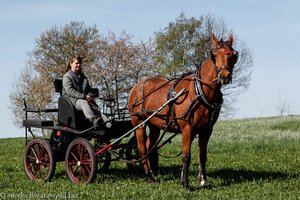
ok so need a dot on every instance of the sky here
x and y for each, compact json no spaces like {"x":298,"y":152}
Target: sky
{"x":270,"y":29}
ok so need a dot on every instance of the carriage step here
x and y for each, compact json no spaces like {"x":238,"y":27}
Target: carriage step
{"x":37,"y":123}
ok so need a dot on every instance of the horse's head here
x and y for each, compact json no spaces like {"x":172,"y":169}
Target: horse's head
{"x":224,"y":57}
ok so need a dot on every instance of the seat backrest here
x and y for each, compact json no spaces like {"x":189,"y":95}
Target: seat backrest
{"x":58,"y":85}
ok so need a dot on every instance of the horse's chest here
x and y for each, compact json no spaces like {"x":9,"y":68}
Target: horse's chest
{"x":205,"y":117}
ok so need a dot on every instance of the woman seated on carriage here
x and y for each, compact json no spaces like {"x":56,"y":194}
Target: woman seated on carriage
{"x":77,"y":89}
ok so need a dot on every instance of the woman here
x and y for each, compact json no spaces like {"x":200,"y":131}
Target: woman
{"x":77,"y":89}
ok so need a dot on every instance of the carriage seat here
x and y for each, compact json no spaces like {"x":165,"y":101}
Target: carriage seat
{"x":37,"y":123}
{"x":67,"y":114}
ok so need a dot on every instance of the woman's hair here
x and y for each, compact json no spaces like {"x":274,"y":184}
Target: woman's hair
{"x":78,"y":58}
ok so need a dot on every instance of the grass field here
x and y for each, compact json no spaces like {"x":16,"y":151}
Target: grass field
{"x":247,"y":159}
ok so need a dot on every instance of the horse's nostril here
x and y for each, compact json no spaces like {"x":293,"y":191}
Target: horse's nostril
{"x":228,"y":74}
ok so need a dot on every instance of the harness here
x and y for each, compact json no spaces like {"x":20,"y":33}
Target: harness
{"x":200,"y":96}
{"x":142,"y":99}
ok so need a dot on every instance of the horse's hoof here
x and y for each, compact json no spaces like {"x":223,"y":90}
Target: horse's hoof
{"x":188,"y":188}
{"x":151,"y":180}
{"x":204,"y":185}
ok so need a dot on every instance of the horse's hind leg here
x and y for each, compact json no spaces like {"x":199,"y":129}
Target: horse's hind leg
{"x":152,"y":146}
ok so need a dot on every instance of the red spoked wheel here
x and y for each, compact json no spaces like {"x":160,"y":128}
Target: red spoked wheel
{"x":39,"y":161}
{"x":81,"y":162}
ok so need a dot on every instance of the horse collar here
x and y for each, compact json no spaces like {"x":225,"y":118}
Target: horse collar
{"x":200,"y":96}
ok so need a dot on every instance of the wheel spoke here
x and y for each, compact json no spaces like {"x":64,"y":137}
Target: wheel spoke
{"x":41,"y":151}
{"x":45,"y":169}
{"x":35,"y":171}
{"x":74,"y":156}
{"x":32,"y":150}
{"x":31,"y":158}
{"x":79,"y":151}
{"x":45,"y":164}
{"x":88,"y":168}
{"x":76,"y":169}
{"x":72,"y":163}
{"x":86,"y":162}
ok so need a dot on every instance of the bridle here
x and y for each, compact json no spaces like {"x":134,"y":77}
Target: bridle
{"x":227,"y":50}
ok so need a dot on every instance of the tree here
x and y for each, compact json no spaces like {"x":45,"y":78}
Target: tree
{"x":177,"y":46}
{"x":186,"y":43}
{"x":283,"y":106}
{"x":122,"y":63}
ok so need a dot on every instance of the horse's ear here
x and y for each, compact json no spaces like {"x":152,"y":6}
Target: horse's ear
{"x":215,"y":40}
{"x":230,"y":39}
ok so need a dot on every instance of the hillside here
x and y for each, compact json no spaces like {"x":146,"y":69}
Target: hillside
{"x":247,"y":159}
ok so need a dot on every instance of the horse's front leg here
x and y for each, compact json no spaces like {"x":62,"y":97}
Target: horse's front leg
{"x":152,"y":146}
{"x":186,"y":157}
{"x":202,"y":155}
{"x":141,"y":144}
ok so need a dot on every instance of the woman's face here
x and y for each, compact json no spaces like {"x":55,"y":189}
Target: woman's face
{"x":75,"y":65}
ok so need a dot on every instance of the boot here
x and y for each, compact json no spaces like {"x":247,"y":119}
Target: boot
{"x":97,"y":121}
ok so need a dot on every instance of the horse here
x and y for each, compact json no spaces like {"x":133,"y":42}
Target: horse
{"x":192,"y":114}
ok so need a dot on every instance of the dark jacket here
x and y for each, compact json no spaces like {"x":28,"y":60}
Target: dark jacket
{"x":75,"y":88}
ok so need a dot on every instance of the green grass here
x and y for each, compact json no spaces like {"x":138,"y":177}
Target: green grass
{"x":247,"y":159}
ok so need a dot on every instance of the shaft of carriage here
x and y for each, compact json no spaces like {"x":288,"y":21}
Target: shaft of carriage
{"x":141,"y":124}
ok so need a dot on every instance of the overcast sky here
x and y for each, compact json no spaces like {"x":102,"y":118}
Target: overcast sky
{"x":270,"y":28}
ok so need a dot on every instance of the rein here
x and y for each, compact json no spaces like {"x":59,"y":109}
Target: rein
{"x":194,"y":76}
{"x":155,"y":146}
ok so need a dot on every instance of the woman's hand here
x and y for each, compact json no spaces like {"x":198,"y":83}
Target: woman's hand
{"x":89,"y":98}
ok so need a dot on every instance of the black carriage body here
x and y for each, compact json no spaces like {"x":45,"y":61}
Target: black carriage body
{"x":72,"y":124}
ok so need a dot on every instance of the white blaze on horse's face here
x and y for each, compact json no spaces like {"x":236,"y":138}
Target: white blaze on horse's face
{"x":223,"y":55}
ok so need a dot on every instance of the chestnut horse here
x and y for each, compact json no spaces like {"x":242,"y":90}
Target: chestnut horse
{"x":193,"y":113}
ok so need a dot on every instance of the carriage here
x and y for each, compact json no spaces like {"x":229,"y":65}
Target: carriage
{"x":85,"y":149}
